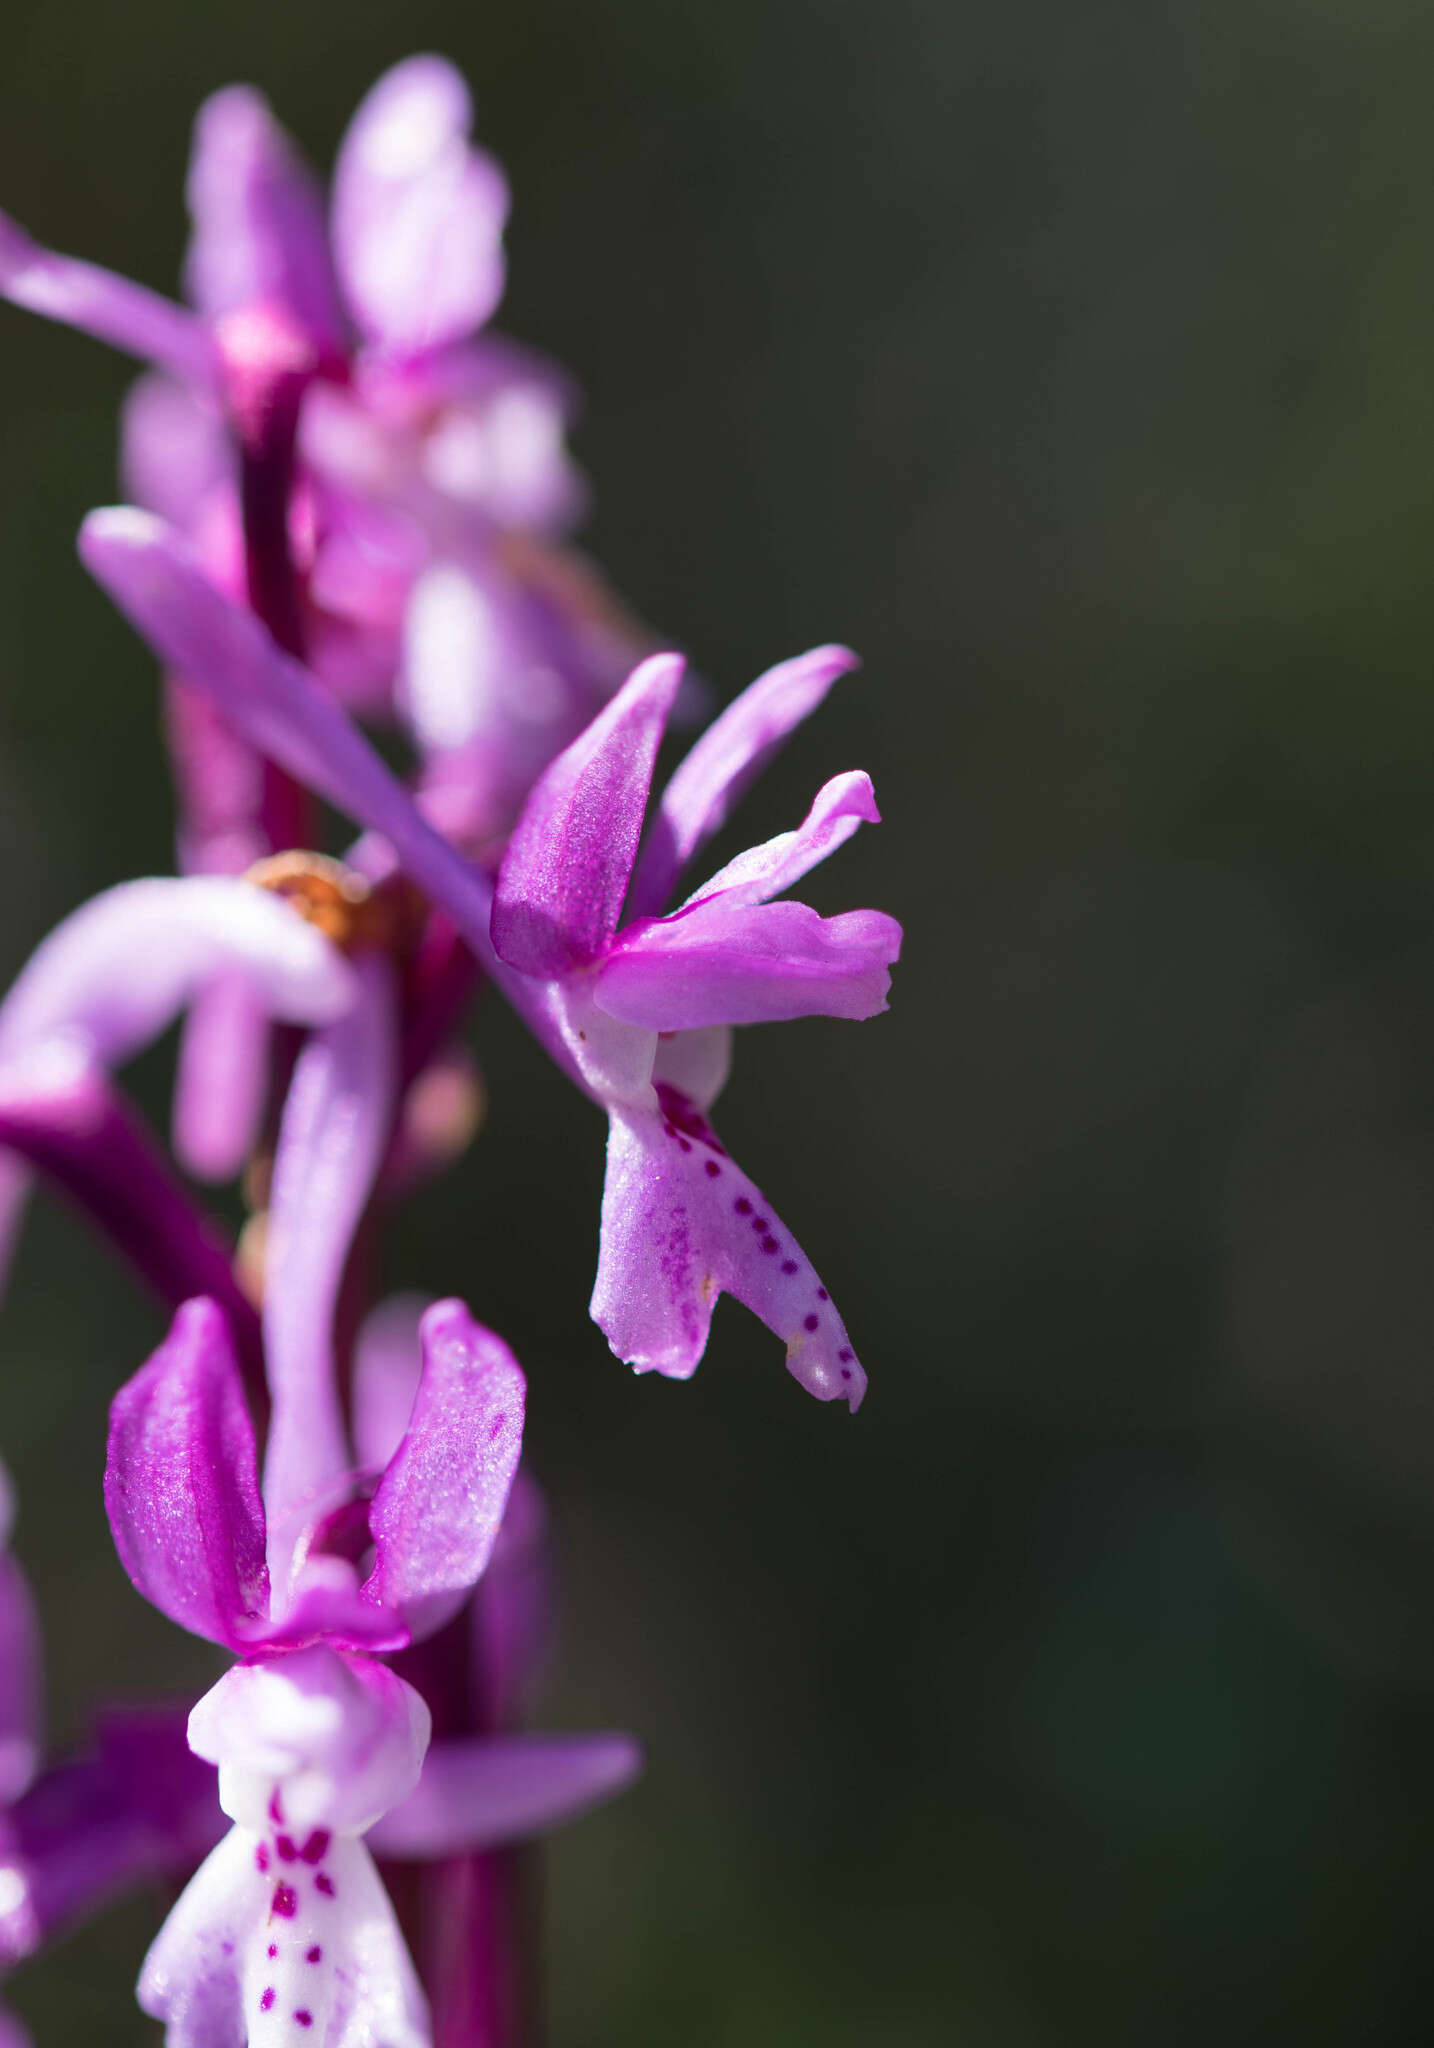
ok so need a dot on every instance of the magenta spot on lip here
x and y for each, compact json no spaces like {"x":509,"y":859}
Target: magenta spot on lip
{"x":845,"y":1357}
{"x":846,"y":1372}
{"x":742,"y":1206}
{"x":810,"y":1322}
{"x":261,"y":1856}
{"x":760,"y":1225}
{"x":789,"y":1265}
{"x":304,"y":2017}
{"x":285,"y":1846}
{"x":822,"y":1294}
{"x":286,"y":1901}
{"x":770,"y":1245}
{"x":276,"y":1810}
{"x":325,"y":1884}
{"x":495,"y":1428}
{"x":267,"y":2000}
{"x":273,"y":1950}
{"x":685,"y":1143}
{"x":314,"y":1955}
{"x":711,"y":1169}
{"x":316,"y":1846}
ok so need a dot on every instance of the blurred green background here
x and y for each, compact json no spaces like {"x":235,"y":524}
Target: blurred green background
{"x":1073,"y":362}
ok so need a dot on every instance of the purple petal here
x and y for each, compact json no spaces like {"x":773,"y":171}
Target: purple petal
{"x":154,"y":576}
{"x":219,"y":783}
{"x":334,"y":1132}
{"x":139,"y":1810}
{"x":325,"y":1609}
{"x":180,"y":1484}
{"x":437,"y":1510}
{"x":756,"y":965}
{"x":118,"y":970}
{"x":565,"y":873}
{"x":733,"y":751}
{"x":388,"y":1360}
{"x":682,"y":1224}
{"x":476,"y":1795}
{"x":511,"y":1612}
{"x":175,"y":454}
{"x":111,"y":308}
{"x":838,"y":808}
{"x":260,"y":235}
{"x":221,"y":1081}
{"x":418,"y":213}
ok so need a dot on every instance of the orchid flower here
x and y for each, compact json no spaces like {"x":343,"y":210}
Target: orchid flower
{"x":76,"y":1835}
{"x":637,"y":1014}
{"x":106,"y":983}
{"x":306,"y":1580}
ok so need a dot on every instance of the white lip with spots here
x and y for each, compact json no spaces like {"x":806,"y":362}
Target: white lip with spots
{"x":285,"y":1933}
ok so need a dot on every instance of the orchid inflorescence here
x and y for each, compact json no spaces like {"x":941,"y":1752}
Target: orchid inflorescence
{"x":352,"y":503}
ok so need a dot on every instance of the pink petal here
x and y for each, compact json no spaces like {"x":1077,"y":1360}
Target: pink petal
{"x":221,"y":1081}
{"x":136,"y":1811}
{"x":388,"y":1360}
{"x":565,"y":873}
{"x":332,"y":1138}
{"x":838,"y":808}
{"x":729,"y":756}
{"x":418,"y":213}
{"x":111,"y":308}
{"x":510,"y":1615}
{"x":259,"y":231}
{"x":152,"y":573}
{"x":682,"y":1224}
{"x":438,"y":1507}
{"x":279,"y":709}
{"x":476,"y":1795}
{"x":756,"y":965}
{"x":118,"y":970}
{"x":180,"y":1484}
{"x":174,"y":452}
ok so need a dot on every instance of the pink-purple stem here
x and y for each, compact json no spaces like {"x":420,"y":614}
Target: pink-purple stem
{"x":92,"y":1145}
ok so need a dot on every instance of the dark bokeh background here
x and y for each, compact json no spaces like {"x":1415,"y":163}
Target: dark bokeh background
{"x":1073,"y":362}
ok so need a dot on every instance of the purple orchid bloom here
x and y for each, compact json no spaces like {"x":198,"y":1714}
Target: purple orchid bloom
{"x":318,"y":1744}
{"x":398,"y":469}
{"x":287,"y":1926}
{"x":80,"y":1834}
{"x":636,"y":1014}
{"x":644,"y":1008}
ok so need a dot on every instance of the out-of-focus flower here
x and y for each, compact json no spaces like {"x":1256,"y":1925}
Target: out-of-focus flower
{"x":424,"y":473}
{"x":105,"y":984}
